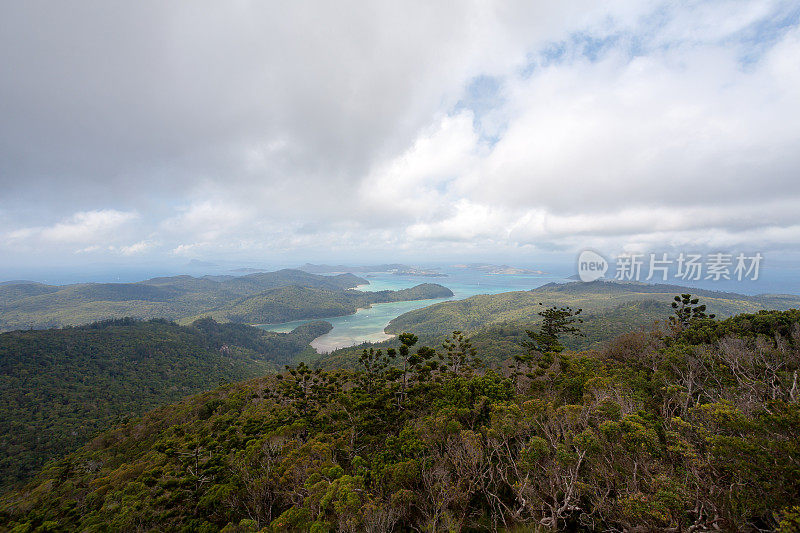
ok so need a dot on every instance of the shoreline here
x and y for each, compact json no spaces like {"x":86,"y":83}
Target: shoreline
{"x":389,"y":336}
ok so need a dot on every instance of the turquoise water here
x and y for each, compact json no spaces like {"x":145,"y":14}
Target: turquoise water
{"x":368,"y":324}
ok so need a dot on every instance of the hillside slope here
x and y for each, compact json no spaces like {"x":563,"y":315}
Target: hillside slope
{"x":618,"y":440}
{"x":59,"y":387}
{"x":284,"y":304}
{"x":25,"y":305}
{"x":497,"y":322}
{"x":619,"y":306}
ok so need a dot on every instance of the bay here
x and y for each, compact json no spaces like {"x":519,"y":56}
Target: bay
{"x":367,"y":325}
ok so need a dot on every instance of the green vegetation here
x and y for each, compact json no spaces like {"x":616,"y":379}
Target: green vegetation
{"x":690,"y":427}
{"x":33,"y":305}
{"x":687,"y":310}
{"x":543,"y":345}
{"x":263,"y":297}
{"x":609,"y":309}
{"x":59,"y":387}
{"x":474,"y":313}
{"x":284,"y":304}
{"x":496,"y":324}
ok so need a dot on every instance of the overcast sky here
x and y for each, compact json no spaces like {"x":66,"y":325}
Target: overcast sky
{"x":177,"y":130}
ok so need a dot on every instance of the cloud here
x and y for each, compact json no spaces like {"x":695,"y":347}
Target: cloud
{"x":681,"y":141}
{"x":82,"y":228}
{"x":181,"y":92}
{"x":86,"y":226}
{"x":136,"y":248}
{"x":417,"y":182}
{"x":253,"y":130}
{"x":208,"y":220}
{"x":666,"y":129}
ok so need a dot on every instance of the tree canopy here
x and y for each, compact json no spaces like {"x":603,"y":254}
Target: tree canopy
{"x":689,"y":429}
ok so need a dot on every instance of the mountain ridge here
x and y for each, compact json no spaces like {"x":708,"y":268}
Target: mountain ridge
{"x":36,"y":305}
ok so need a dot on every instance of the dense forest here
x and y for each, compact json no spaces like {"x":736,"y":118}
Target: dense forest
{"x":59,"y":387}
{"x":496,"y":323}
{"x":522,"y":307}
{"x":284,"y":304}
{"x":610,"y":309}
{"x":25,"y":305}
{"x":693,"y":425}
{"x":503,"y":340}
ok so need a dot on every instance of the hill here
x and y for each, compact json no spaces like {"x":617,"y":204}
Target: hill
{"x":59,"y":387}
{"x":695,"y":429}
{"x":28,"y":305}
{"x":284,"y":304}
{"x":609,"y":309}
{"x":496,"y":323}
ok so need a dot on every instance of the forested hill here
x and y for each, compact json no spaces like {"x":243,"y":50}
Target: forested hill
{"x":25,"y":305}
{"x":610,"y":308}
{"x":696,"y":428}
{"x":283,"y":304}
{"x":496,"y":323}
{"x":58,"y":387}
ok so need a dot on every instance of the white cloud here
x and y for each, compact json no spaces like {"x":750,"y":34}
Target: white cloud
{"x":208,"y":220}
{"x":86,"y":226}
{"x":683,"y":143}
{"x":136,"y":248}
{"x":617,"y":124}
{"x":91,"y":228}
{"x":417,"y":181}
{"x":187,"y":249}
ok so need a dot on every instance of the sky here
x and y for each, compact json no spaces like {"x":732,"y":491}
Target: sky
{"x":164,"y":132}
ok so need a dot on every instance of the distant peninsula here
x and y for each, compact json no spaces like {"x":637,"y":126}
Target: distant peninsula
{"x":390,"y":268}
{"x":265,"y":297}
{"x":500,"y":269}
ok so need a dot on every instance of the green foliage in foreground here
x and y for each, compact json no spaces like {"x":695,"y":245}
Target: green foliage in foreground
{"x":694,"y":428}
{"x":60,"y":387}
{"x":498,"y":341}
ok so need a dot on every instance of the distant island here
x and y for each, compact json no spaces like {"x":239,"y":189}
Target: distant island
{"x":411,"y":271}
{"x":500,"y":269}
{"x":391,"y":268}
{"x":196,"y":263}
